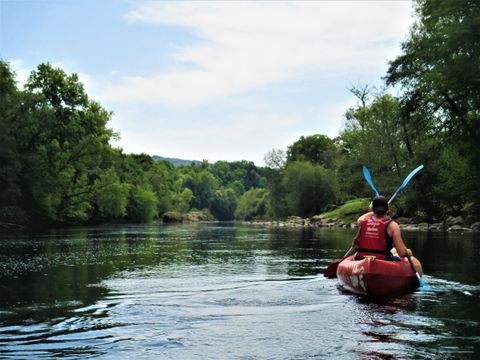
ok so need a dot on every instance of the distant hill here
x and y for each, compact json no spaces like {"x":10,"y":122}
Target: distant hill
{"x":174,"y":161}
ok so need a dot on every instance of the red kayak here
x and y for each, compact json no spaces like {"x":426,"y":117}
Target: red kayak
{"x":375,"y":277}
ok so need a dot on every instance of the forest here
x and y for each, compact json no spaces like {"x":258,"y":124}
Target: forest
{"x":57,"y":165}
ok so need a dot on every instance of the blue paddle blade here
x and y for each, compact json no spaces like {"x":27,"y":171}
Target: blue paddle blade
{"x":405,"y":182}
{"x":366,"y":175}
{"x":423,"y":284}
{"x":410,"y":176}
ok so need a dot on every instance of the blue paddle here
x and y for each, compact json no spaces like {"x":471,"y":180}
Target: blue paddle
{"x":366,"y":175}
{"x":405,"y":182}
{"x":420,"y":281}
{"x":400,"y":188}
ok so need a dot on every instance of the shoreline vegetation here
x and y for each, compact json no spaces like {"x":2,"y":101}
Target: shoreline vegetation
{"x":344,"y":216}
{"x":58,"y":166}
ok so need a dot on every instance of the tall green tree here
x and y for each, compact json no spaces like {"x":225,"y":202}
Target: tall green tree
{"x":318,"y":149}
{"x":224,"y":204}
{"x":203,"y":186}
{"x":62,"y":138}
{"x":253,"y":205}
{"x":111,"y":196}
{"x":308,"y":188}
{"x":372,"y":137}
{"x":143,"y":204}
{"x":250,"y":175}
{"x":438,"y":72}
{"x":162,"y":175}
{"x":10,"y":163}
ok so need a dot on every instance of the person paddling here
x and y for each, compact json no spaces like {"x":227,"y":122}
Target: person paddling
{"x":379,"y":234}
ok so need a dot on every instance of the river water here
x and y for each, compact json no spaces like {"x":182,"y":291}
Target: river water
{"x":225,"y":291}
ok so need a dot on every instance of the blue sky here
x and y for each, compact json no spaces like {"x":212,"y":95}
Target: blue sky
{"x":211,"y":80}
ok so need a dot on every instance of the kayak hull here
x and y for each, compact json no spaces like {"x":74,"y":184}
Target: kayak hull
{"x":374,"y":277}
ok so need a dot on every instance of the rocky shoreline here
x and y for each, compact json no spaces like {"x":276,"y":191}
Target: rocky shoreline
{"x":451,"y":224}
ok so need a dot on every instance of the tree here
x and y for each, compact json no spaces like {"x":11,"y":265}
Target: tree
{"x":10,"y":166}
{"x":112,"y":196}
{"x":61,"y":139}
{"x":277,"y":193}
{"x":309,"y":188}
{"x":246,"y":172}
{"x":372,"y":137}
{"x":224,"y":204}
{"x":142,"y":204}
{"x":275,"y":159}
{"x":318,"y":149}
{"x":252,"y":205}
{"x":237,"y":187}
{"x":57,"y":164}
{"x":181,"y":201}
{"x":438,"y":71}
{"x":161,"y":175}
{"x":222,"y":171}
{"x":203,"y":186}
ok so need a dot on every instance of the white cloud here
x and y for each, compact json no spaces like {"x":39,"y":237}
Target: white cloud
{"x":244,"y":136}
{"x":22,"y":73}
{"x":250,"y":44}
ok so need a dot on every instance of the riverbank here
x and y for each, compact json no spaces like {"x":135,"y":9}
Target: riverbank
{"x":451,"y":224}
{"x":191,"y":216}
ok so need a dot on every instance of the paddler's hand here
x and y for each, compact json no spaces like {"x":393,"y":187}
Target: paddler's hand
{"x":408,"y":252}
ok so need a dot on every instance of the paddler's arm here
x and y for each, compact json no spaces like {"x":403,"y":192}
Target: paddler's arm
{"x":394,"y":231}
{"x":365,"y":216}
{"x":354,"y":247}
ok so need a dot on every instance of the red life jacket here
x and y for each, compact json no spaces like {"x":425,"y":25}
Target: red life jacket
{"x":374,"y":240}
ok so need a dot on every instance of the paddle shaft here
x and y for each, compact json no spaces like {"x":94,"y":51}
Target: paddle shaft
{"x":422,"y":284}
{"x":331,"y":270}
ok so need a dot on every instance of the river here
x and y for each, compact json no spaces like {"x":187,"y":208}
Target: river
{"x":226,"y":291}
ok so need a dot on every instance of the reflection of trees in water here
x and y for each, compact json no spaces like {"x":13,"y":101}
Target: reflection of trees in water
{"x":446,"y":255}
{"x":54,"y":277}
{"x":308,"y":251}
{"x":59,"y":281}
{"x":68,"y":265}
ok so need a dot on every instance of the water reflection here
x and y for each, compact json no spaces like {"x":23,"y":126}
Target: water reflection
{"x":224,"y":291}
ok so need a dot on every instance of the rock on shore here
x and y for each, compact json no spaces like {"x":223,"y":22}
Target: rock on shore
{"x":456,"y":224}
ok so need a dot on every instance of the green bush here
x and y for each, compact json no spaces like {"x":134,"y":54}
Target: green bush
{"x":309,"y":188}
{"x":253,"y":204}
{"x":112,"y":196}
{"x":143,"y":204}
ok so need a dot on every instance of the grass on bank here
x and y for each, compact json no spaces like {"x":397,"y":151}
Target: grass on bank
{"x":350,"y":211}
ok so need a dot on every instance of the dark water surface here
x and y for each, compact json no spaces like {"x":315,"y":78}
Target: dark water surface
{"x":226,"y":292}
